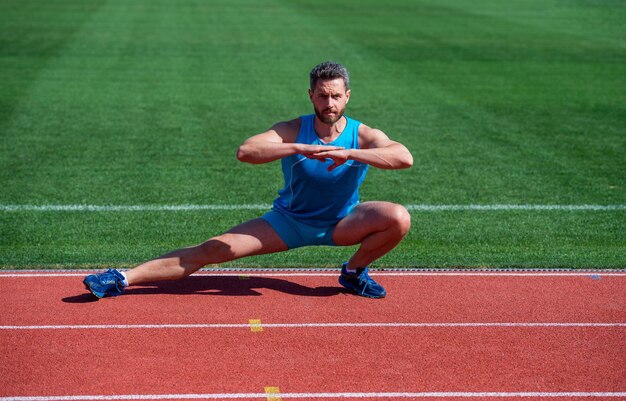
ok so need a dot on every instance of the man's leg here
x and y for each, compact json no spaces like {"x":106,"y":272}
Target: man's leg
{"x":254,"y":237}
{"x":377,"y":226}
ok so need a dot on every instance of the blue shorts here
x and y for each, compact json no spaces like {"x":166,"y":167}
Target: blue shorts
{"x":296,"y":234}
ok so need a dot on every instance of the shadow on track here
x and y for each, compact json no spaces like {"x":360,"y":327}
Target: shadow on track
{"x":221,"y":285}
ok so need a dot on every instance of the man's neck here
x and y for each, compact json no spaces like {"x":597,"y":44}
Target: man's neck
{"x":329,"y":132}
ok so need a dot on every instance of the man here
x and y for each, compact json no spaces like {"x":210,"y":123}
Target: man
{"x":325,"y":157}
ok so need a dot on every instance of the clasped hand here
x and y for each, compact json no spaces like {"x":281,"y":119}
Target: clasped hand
{"x":337,"y":154}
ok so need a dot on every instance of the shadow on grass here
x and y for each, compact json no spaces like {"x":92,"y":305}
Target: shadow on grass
{"x":223,"y":286}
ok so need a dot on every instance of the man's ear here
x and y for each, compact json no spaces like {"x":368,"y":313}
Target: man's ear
{"x":347,"y":95}
{"x":310,"y":94}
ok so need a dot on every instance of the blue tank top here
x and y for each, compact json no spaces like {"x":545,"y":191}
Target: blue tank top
{"x":312,"y":194}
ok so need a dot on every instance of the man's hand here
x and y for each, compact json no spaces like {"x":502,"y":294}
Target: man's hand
{"x":338,"y":155}
{"x":311,"y":151}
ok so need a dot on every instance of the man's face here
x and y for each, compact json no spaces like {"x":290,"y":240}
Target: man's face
{"x":329,"y":99}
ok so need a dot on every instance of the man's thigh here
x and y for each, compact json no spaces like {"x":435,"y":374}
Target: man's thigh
{"x":254,"y":237}
{"x":366,"y":218}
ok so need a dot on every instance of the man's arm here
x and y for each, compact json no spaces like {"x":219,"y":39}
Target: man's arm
{"x":376,"y":149}
{"x":276,"y":143}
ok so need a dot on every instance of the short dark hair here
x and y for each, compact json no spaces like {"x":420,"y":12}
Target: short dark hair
{"x":329,"y":70}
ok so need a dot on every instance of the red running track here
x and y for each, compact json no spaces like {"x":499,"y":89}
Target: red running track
{"x":224,"y":335}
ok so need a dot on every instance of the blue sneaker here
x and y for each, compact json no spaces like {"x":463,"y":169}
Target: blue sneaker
{"x":361,"y":283}
{"x":107,"y":283}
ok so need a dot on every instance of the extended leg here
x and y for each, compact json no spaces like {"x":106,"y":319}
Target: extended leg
{"x":254,"y":237}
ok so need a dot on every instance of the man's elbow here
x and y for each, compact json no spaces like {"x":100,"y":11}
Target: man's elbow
{"x":244,"y":154}
{"x":406,"y":161}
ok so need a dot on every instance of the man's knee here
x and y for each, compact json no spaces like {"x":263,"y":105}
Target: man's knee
{"x":212,"y":251}
{"x":193,"y":258}
{"x":400,"y":218}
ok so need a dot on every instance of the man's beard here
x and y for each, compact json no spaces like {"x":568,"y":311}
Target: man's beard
{"x":328,"y":119}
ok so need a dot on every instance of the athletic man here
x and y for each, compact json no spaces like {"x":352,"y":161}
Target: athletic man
{"x":325,"y":157}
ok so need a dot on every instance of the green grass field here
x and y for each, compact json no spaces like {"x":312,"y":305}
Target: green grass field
{"x":144,"y":102}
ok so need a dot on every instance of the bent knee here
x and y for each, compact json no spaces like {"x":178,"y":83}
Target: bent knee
{"x":401,"y":218}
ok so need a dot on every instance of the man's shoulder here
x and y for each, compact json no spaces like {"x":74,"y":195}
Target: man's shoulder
{"x":288,"y":129}
{"x":290,"y":125}
{"x":367,"y":130}
{"x":370,"y":137}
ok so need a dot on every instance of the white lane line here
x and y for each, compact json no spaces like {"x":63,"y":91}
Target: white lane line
{"x":129,"y":208}
{"x":127,"y":326}
{"x":313,"y":325}
{"x":376,"y":395}
{"x":212,"y":207}
{"x":436,"y":208}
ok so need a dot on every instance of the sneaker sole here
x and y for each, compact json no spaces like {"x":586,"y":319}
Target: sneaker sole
{"x":354,"y":290}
